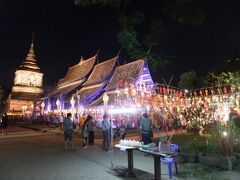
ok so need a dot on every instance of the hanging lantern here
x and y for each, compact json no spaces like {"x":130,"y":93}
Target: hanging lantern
{"x":164,"y":90}
{"x":126,"y":91}
{"x":180,"y":94}
{"x":232,"y":89}
{"x":168,"y":90}
{"x":206,"y":92}
{"x":161,"y":90}
{"x":212,"y":92}
{"x":195,"y":93}
{"x":177,"y":93}
{"x":185,"y":94}
{"x":138,"y":87}
{"x":142,"y":87}
{"x":120,"y":82}
{"x":225,"y":90}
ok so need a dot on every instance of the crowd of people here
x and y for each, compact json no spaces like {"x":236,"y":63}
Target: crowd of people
{"x":87,"y":132}
{"x":88,"y":126}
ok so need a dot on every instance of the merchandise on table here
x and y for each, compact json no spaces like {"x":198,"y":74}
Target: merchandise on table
{"x":130,"y":143}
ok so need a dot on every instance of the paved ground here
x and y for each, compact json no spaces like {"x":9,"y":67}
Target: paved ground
{"x":18,"y":132}
{"x":42,"y":157}
{"x":31,"y":155}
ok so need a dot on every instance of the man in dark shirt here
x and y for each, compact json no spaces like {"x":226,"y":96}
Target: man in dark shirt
{"x":146,"y":129}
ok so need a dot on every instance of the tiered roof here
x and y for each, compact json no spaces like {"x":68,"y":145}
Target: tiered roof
{"x":75,"y":76}
{"x":127,"y":73}
{"x":97,"y":80}
{"x":65,"y":89}
{"x":101,"y":71}
{"x":78,"y":72}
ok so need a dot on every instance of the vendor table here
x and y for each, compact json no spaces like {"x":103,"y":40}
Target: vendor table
{"x":156,"y":155}
{"x":130,"y":171}
{"x":157,"y":161}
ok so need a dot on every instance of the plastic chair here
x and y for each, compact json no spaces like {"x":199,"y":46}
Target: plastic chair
{"x":173,"y":148}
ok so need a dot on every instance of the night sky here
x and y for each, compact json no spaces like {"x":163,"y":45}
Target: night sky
{"x":64,"y":33}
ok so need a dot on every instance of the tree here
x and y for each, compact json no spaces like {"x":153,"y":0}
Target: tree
{"x":142,"y":23}
{"x":228,"y":74}
{"x":223,"y":78}
{"x":189,"y":80}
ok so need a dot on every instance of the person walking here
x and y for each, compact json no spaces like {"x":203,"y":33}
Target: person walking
{"x":4,"y":124}
{"x":61,"y":119}
{"x":146,"y":129}
{"x":67,"y":126}
{"x":122,"y":132}
{"x":85,"y":132}
{"x":106,"y":133}
{"x":90,"y":125}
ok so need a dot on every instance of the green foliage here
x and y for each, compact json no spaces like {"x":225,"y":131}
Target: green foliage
{"x":189,"y":80}
{"x":196,"y":147}
{"x":142,"y":23}
{"x":87,"y":3}
{"x":222,"y":78}
{"x":184,"y":11}
{"x":199,"y":172}
{"x":227,"y":143}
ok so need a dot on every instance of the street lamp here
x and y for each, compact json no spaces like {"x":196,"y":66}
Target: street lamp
{"x":72,"y":103}
{"x":24,"y":109}
{"x":58,"y":105}
{"x":105,"y":101}
{"x":42,"y":106}
{"x":78,"y":103}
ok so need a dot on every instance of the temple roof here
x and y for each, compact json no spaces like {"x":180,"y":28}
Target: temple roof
{"x":79,"y":71}
{"x":65,"y":89}
{"x":30,"y":62}
{"x":85,"y":93}
{"x":126,"y":73}
{"x":101,"y":71}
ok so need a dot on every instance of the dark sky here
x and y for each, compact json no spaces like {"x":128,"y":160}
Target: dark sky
{"x":64,"y":33}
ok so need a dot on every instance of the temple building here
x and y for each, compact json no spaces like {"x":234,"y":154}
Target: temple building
{"x":85,"y":83}
{"x":72,"y":81}
{"x":27,"y":89}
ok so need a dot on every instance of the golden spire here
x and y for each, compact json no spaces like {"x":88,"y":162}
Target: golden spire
{"x":81,"y":60}
{"x":30,"y":61}
{"x":31,"y":54}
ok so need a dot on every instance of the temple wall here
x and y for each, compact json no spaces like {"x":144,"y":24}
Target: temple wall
{"x":22,"y":106}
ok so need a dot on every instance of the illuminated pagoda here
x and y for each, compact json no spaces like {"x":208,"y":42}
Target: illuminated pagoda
{"x":72,"y":81}
{"x":27,"y":89}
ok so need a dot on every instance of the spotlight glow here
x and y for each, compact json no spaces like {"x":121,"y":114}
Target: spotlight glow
{"x":225,"y":133}
{"x":123,"y":110}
